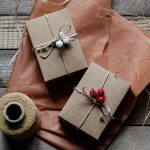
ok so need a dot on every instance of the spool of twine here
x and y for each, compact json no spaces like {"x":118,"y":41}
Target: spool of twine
{"x":19,"y":117}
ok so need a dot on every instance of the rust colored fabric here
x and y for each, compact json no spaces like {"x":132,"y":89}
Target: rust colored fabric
{"x":107,"y":39}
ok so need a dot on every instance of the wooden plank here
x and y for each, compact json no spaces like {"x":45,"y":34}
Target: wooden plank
{"x":140,"y":111}
{"x":5,"y":57}
{"x":33,"y":143}
{"x":132,"y":7}
{"x":123,"y":141}
{"x":2,"y":91}
{"x":127,"y":136}
{"x":9,"y":37}
{"x":129,"y":6}
{"x":8,"y":7}
{"x":142,"y":22}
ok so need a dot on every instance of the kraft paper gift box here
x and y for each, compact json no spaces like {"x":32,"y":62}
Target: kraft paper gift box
{"x":56,"y":62}
{"x":88,"y":115}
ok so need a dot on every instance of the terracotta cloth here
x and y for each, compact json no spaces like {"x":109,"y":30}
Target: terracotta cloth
{"x":107,"y":39}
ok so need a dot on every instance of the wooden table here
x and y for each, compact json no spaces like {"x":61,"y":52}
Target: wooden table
{"x":9,"y":43}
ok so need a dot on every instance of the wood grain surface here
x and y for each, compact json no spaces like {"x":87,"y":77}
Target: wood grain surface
{"x":133,"y":10}
{"x":129,"y":7}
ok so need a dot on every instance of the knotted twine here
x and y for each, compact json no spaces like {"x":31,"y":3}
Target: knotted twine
{"x":29,"y":120}
{"x":49,"y":46}
{"x":104,"y":110}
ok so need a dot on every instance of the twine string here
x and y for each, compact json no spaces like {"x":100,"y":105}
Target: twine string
{"x":86,"y":116}
{"x":65,"y":64}
{"x":103,"y":110}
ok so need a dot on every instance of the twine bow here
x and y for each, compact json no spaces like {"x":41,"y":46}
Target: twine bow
{"x":104,"y":110}
{"x":48,"y":47}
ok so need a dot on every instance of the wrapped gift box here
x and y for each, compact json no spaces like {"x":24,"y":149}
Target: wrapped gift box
{"x":56,"y":60}
{"x":85,"y":113}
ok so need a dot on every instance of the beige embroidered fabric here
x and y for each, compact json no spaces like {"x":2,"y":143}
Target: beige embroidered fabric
{"x":107,"y":39}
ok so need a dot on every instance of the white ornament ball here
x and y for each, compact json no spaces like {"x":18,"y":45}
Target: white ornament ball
{"x":66,"y":40}
{"x":61,"y":35}
{"x":59,"y":44}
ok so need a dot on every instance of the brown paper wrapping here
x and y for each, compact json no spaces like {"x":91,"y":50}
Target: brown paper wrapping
{"x":103,"y":39}
{"x":54,"y":66}
{"x":78,"y":104}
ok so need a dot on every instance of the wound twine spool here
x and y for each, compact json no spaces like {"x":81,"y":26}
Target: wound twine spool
{"x":19,"y":117}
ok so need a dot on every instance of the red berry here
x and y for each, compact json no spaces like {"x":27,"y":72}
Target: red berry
{"x":101,"y":99}
{"x":100,"y":92}
{"x":93,"y":93}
